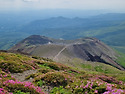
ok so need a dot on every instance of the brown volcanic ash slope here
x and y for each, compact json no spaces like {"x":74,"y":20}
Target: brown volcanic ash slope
{"x":89,"y":49}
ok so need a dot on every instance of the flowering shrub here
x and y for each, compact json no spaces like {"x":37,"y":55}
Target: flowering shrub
{"x":3,"y":91}
{"x":8,"y":83}
{"x":13,"y":86}
{"x":97,"y":86}
{"x":55,"y":77}
{"x":16,"y":63}
{"x":109,"y":79}
{"x":3,"y":77}
{"x":115,"y":91}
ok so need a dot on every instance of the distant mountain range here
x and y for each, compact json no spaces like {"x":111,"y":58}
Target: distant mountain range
{"x":107,"y":27}
{"x":86,"y":49}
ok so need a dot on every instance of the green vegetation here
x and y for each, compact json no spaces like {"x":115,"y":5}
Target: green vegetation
{"x":59,"y":90}
{"x":121,"y":59}
{"x":19,"y":92}
{"x":85,"y":77}
{"x":40,"y":83}
{"x":16,"y":63}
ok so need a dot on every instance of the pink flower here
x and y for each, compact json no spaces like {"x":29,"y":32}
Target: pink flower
{"x":86,"y":92}
{"x":107,"y":92}
{"x":25,"y":84}
{"x":109,"y":88}
{"x":5,"y":75}
{"x":1,"y":89}
{"x":33,"y":68}
{"x":76,"y":86}
{"x":96,"y":91}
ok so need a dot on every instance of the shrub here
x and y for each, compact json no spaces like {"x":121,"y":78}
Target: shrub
{"x":3,"y":91}
{"x":40,"y":83}
{"x":45,"y":70}
{"x":55,"y":78}
{"x":10,"y":62}
{"x":14,"y":86}
{"x":108,"y":79}
{"x":13,"y":67}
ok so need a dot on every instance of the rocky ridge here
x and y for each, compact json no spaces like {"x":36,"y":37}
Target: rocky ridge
{"x":88,"y":49}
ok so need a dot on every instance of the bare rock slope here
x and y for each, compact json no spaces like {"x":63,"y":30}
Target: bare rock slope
{"x":89,"y":49}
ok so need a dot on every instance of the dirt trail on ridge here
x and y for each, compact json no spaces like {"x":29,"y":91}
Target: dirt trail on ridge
{"x":21,"y":76}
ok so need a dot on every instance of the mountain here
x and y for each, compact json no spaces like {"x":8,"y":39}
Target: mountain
{"x":78,"y":26}
{"x":109,"y":28}
{"x":88,"y":49}
{"x":106,"y":27}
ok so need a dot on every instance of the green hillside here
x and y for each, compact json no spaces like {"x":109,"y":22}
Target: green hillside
{"x":21,"y":74}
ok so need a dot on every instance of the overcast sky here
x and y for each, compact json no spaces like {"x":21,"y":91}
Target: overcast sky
{"x":116,"y":5}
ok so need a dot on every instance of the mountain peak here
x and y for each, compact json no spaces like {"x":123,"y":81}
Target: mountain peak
{"x":36,"y":39}
{"x":88,"y":49}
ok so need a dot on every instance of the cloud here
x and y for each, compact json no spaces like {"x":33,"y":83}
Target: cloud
{"x":31,"y":0}
{"x":63,"y":4}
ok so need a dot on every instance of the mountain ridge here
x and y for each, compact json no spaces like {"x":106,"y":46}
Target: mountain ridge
{"x":89,"y":49}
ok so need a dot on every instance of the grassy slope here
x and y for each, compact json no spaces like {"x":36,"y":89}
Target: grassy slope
{"x":80,"y":77}
{"x":121,"y":59}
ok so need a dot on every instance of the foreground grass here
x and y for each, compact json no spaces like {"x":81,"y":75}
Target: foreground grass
{"x":57,"y":78}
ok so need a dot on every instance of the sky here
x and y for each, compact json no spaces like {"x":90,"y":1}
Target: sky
{"x":115,"y":5}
